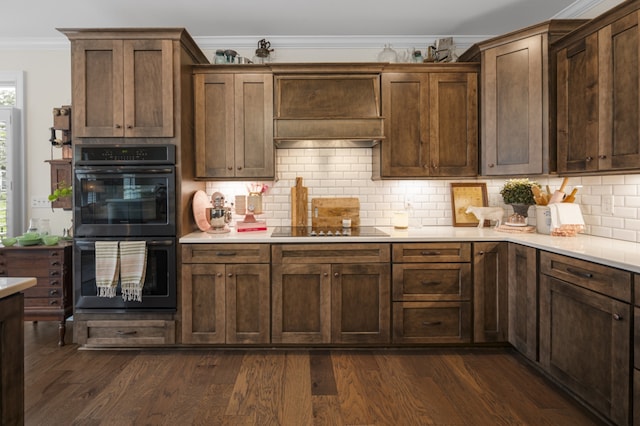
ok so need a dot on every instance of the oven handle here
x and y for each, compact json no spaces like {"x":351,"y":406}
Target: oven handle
{"x":120,"y":170}
{"x":155,"y":243}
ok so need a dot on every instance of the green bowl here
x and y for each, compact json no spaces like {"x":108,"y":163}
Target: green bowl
{"x":28,"y":241}
{"x":8,"y":242}
{"x":50,"y":240}
{"x":30,"y":236}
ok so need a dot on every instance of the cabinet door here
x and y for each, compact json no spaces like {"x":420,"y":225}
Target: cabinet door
{"x":301,"y":303}
{"x":453,"y":124}
{"x":148,"y":88}
{"x":513,"y":109}
{"x":523,"y":300}
{"x":490,"y":289}
{"x":98,"y":88}
{"x":405,"y":106}
{"x":214,"y":112}
{"x":254,"y":149}
{"x":619,"y":77}
{"x":584,"y":344}
{"x":360,"y":303}
{"x":11,"y":360}
{"x":577,"y":106}
{"x":203,"y":303}
{"x":248,"y":304}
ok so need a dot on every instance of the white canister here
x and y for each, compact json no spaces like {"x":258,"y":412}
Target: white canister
{"x":401,"y":220}
{"x":543,"y":220}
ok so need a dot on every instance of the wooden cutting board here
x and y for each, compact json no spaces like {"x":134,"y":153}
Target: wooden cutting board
{"x":299,"y":204}
{"x":328,"y":212}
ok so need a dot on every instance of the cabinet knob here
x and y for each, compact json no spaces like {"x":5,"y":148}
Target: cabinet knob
{"x":481,"y":253}
{"x":588,"y":159}
{"x":617,"y":317}
{"x":229,"y":275}
{"x":239,"y":167}
{"x":491,"y":166}
{"x":54,"y":282}
{"x":325,"y":274}
{"x":219,"y":275}
{"x":602,"y":157}
{"x":336,"y":274}
{"x":117,"y":126}
{"x":53,"y":292}
{"x":229,"y":168}
{"x":129,"y":126}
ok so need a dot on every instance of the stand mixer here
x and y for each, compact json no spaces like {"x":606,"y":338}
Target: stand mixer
{"x":220,"y":215}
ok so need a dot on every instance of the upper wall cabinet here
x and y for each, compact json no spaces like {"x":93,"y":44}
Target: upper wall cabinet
{"x":123,"y":81}
{"x":431,"y":122}
{"x":234,"y":122}
{"x":123,"y":88}
{"x":517,"y":132}
{"x":598,"y":94}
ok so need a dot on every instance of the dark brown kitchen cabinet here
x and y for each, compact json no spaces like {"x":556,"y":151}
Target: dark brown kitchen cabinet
{"x":490,"y":292}
{"x":331,"y":293}
{"x":51,"y":299}
{"x":585,"y":325}
{"x":431,"y":122}
{"x":11,"y":360}
{"x":234,"y":123}
{"x":523,"y":300}
{"x":636,"y":351}
{"x":598,"y":96}
{"x":122,"y":87}
{"x":432,"y":291}
{"x":518,"y":119}
{"x":225,"y":294}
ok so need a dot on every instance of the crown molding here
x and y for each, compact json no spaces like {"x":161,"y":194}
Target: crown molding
{"x":577,"y":9}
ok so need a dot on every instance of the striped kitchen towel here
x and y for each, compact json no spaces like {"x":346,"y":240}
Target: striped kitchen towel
{"x":107,"y":267}
{"x":133,"y":265}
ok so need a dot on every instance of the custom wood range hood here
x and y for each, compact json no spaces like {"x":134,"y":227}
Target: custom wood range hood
{"x":327,"y":106}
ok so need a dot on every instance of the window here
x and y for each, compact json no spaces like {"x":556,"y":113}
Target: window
{"x":12,"y":170}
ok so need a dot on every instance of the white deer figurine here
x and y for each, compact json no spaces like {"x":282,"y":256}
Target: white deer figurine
{"x":487,"y":213}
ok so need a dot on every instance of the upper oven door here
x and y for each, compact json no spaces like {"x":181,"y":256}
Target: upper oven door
{"x":124,"y":201}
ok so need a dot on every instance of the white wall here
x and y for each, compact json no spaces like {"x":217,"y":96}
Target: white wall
{"x":347,"y":172}
{"x":47,"y":85}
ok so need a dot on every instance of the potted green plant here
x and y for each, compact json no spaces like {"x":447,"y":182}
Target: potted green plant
{"x":518,"y":193}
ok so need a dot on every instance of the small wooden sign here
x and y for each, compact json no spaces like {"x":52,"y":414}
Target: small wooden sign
{"x":464,"y":195}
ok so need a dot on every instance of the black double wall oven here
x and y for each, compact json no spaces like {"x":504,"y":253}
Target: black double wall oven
{"x":125,"y":193}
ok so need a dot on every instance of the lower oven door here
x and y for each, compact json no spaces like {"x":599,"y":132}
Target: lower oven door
{"x":159,"y":291}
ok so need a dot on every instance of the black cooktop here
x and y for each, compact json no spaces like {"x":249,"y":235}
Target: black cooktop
{"x":308,"y":231}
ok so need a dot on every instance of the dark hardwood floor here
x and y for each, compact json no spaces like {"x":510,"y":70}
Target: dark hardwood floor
{"x":67,"y":386}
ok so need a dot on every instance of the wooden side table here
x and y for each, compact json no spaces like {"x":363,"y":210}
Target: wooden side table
{"x":52,"y":297}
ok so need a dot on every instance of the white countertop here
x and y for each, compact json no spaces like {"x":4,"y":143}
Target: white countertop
{"x":616,"y":253}
{"x":12,"y":285}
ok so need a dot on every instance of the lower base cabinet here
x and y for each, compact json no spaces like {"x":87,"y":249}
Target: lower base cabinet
{"x":490,"y":292}
{"x":12,"y":360}
{"x":585,"y":332}
{"x":225,"y":297}
{"x":331,"y":294}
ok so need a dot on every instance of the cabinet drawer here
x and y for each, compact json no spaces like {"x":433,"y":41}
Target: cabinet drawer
{"x":128,"y":333}
{"x":432,"y":322}
{"x":602,"y":279}
{"x":431,"y":281}
{"x":225,"y":253}
{"x":43,"y":292}
{"x":432,"y":252}
{"x":331,"y":253}
{"x":43,"y":302}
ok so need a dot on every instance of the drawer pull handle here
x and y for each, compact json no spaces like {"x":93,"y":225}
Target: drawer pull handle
{"x":55,"y":263}
{"x":430,"y":283}
{"x":429,"y":323}
{"x":54,"y":282}
{"x":430,"y":253}
{"x":226,"y":253}
{"x":579,"y":273}
{"x":126,"y":333}
{"x":53,"y":292}
{"x":53,"y":302}
{"x":617,"y":317}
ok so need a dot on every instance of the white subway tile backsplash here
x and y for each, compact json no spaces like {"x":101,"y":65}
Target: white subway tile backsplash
{"x":347,"y":173}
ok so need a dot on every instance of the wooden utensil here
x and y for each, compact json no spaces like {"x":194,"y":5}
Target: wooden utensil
{"x":558,"y":196}
{"x":571,"y":197}
{"x":537,"y":196}
{"x":299,"y":204}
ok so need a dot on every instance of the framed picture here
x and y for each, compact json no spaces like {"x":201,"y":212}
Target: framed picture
{"x":464,"y":195}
